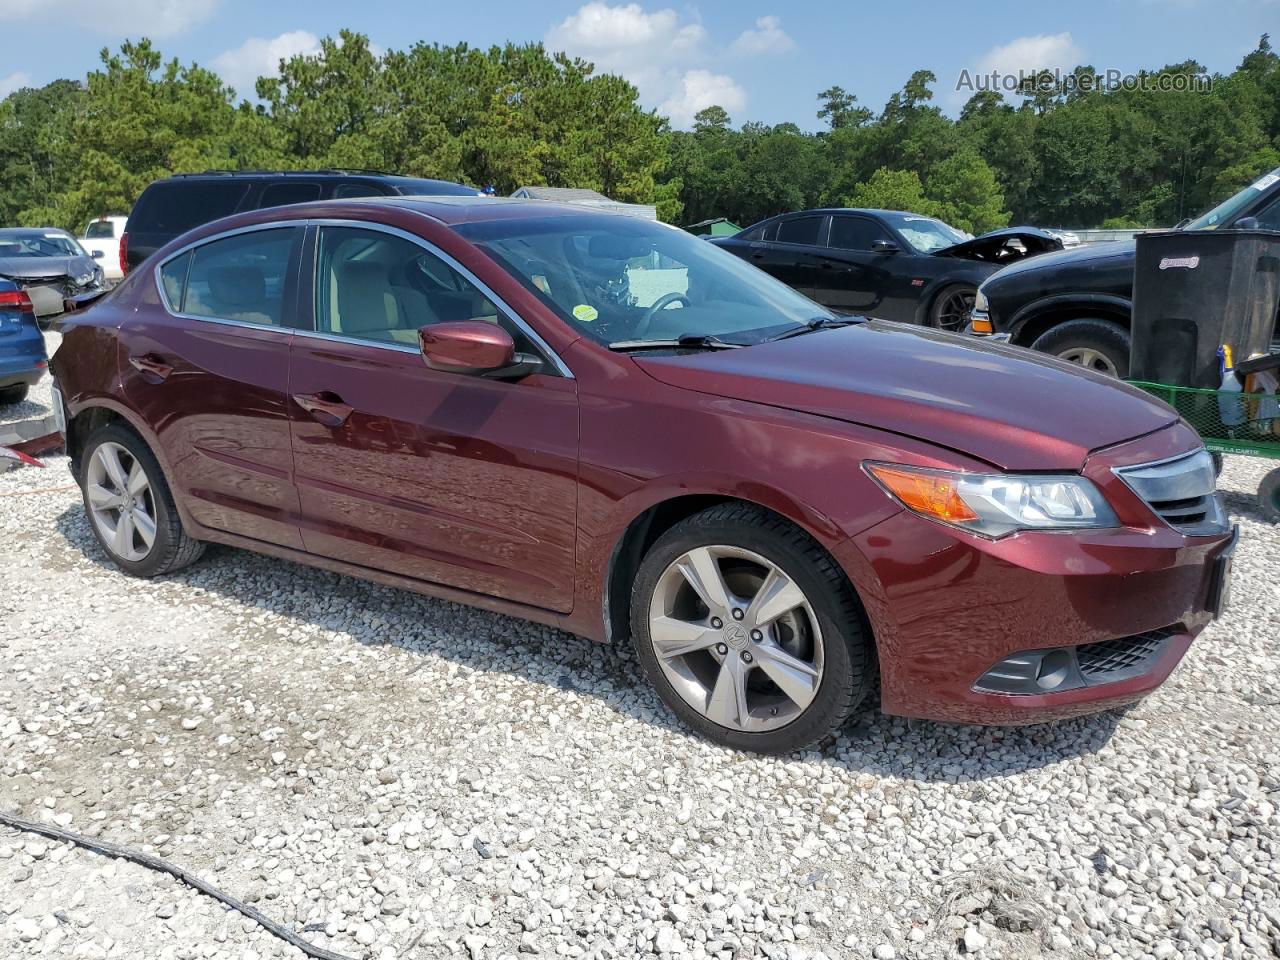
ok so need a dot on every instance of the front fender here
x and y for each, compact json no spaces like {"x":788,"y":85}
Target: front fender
{"x":1109,"y":304}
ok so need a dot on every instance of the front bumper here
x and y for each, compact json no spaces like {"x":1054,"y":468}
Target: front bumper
{"x":947,"y":607}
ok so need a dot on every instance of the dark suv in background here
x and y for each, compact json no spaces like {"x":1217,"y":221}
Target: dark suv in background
{"x":1076,"y":304}
{"x":173,"y":206}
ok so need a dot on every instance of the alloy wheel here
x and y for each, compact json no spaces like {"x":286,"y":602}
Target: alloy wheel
{"x":121,"y":501}
{"x":953,"y":311}
{"x":736,"y":638}
{"x":1090,"y":358}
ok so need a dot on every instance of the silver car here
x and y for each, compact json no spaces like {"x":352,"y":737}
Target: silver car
{"x":49,"y":264}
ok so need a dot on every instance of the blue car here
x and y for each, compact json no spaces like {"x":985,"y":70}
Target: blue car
{"x":22,"y":357}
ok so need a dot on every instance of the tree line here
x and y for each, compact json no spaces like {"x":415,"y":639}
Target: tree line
{"x":1057,"y":152}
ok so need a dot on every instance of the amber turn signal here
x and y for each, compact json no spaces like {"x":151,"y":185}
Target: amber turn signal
{"x":932,"y":494}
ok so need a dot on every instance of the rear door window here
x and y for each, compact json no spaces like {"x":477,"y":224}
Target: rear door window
{"x":241,"y":277}
{"x":346,"y":191}
{"x":283,"y":194}
{"x":806,"y":230}
{"x":177,"y":206}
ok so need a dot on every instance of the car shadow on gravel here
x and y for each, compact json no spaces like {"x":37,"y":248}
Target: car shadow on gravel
{"x":871,"y":744}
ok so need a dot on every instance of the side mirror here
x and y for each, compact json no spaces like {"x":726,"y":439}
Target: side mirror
{"x":476,"y":348}
{"x":1247,"y":223}
{"x":96,"y":254}
{"x":884,"y":246}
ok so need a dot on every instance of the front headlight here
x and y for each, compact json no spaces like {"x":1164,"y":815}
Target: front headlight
{"x":84,"y":279}
{"x":993,"y":505}
{"x":980,"y":301}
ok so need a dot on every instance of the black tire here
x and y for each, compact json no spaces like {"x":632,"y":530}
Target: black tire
{"x":942,"y":315}
{"x":1076,"y":338}
{"x":173,"y":549}
{"x":1269,"y":496}
{"x":849,"y":661}
{"x":1217,"y":463}
{"x":14,"y":394}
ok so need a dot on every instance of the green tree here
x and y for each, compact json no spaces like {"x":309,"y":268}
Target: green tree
{"x":892,"y":190}
{"x":966,"y":194}
{"x":36,"y":146}
{"x":841,"y":109}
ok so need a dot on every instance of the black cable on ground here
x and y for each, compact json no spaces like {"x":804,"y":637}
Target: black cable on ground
{"x":164,"y":866}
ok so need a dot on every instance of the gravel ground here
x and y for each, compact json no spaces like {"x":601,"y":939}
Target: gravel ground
{"x":407,"y":778}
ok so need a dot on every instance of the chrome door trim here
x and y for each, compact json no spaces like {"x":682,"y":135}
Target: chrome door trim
{"x":561,"y":367}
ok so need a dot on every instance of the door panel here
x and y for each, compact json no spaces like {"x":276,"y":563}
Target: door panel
{"x":213,"y":388}
{"x":458,"y":480}
{"x":854,"y":278}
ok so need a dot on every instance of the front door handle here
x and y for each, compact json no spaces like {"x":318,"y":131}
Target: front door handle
{"x":326,"y":407}
{"x":152,"y":367}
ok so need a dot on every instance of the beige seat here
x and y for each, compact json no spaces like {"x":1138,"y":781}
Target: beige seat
{"x":371,"y":308}
{"x":236,"y":292}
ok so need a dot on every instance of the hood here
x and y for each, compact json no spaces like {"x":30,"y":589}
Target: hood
{"x":995,"y":247}
{"x":22,"y":268}
{"x":1083,"y":256}
{"x":1009,"y":406}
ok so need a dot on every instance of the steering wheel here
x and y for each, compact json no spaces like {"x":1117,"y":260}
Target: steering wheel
{"x":661,"y":303}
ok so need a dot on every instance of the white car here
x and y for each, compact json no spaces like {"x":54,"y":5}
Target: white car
{"x":102,"y":239}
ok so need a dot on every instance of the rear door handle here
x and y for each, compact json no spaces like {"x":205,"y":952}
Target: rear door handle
{"x":152,"y":367}
{"x":325,"y":407}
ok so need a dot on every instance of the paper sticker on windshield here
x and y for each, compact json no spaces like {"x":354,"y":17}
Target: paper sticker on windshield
{"x":585,"y":312}
{"x":1265,"y":182}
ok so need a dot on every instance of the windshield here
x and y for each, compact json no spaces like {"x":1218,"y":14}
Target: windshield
{"x":1226,"y":211}
{"x":100,"y":230}
{"x":925,"y":234}
{"x":619,"y":278}
{"x":33,"y":245}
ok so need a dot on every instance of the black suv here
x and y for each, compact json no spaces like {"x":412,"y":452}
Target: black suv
{"x":173,"y":206}
{"x":1076,"y":304}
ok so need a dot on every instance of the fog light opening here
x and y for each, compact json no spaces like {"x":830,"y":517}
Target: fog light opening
{"x":1054,"y":668}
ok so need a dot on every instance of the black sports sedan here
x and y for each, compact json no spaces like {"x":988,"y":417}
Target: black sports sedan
{"x":884,"y":263}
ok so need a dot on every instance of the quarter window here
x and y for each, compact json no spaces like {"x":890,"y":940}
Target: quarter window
{"x":800,"y":230}
{"x":173,"y":275}
{"x":855,"y":233}
{"x":376,"y":286}
{"x":240,"y":277}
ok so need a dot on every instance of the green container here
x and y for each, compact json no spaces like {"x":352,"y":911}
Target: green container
{"x":1228,"y":422}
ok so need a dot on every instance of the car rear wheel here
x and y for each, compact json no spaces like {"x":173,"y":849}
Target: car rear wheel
{"x":951,"y":308}
{"x":1098,"y":345}
{"x":749,"y":632}
{"x":130,"y":507}
{"x":15,"y":394}
{"x":1269,"y":496}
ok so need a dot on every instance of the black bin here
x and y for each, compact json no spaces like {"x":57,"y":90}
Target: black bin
{"x":1194,"y":290}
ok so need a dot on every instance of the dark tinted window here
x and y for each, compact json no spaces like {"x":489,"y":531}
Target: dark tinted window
{"x":855,"y":233}
{"x":241,"y":277}
{"x":345,"y":191}
{"x":755,"y":233}
{"x":800,"y":230}
{"x":283,"y":194}
{"x":1269,"y":219}
{"x":177,"y":206}
{"x":100,"y":230}
{"x":173,"y":275}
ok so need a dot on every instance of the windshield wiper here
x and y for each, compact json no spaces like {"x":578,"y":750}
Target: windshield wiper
{"x":817,"y":323}
{"x":687,"y":341}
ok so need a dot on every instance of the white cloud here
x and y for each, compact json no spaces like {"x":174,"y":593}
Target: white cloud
{"x":152,"y":18}
{"x":260,"y":57}
{"x":767,"y":37}
{"x":14,"y":81}
{"x":1042,"y":51}
{"x":700,"y":89}
{"x":661,"y":52}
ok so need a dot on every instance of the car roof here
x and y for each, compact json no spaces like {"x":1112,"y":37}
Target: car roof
{"x":448,"y":210}
{"x":328,"y":174}
{"x":35,"y":232}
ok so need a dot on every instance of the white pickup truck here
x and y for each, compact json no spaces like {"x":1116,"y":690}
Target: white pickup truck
{"x":102,"y":239}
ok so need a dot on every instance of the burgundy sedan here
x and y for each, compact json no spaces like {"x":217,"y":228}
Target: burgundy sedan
{"x":611,"y":426}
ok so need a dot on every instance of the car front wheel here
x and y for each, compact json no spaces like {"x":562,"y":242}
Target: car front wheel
{"x":1098,"y":345}
{"x":130,"y":507}
{"x":951,"y":308}
{"x":749,"y":631}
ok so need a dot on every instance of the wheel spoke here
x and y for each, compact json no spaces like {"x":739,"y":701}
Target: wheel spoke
{"x":100,"y":498}
{"x":137,"y":479}
{"x":778,"y":595}
{"x":111,"y":462}
{"x":122,"y":541}
{"x":700,"y":568}
{"x":727,"y":704}
{"x":674,"y":638}
{"x":145,"y":526}
{"x":797,"y":679}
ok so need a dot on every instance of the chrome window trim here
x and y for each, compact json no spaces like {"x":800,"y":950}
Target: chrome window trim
{"x":561,"y":367}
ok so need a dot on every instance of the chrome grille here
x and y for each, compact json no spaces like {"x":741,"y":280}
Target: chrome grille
{"x":1181,"y":491}
{"x":1112,"y":660}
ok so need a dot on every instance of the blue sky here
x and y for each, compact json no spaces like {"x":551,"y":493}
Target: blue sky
{"x":762,"y":59}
